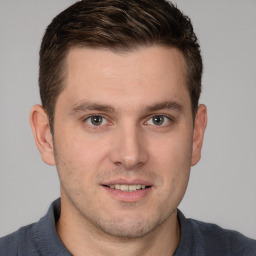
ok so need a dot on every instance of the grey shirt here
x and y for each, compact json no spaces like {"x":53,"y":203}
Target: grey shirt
{"x":197,"y":239}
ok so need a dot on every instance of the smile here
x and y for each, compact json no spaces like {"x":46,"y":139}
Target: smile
{"x":128,"y":191}
{"x":128,"y":188}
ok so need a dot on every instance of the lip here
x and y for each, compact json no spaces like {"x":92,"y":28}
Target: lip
{"x":127,"y":182}
{"x":124,"y":196}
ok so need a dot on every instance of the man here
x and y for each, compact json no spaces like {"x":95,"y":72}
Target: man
{"x":120,"y":83}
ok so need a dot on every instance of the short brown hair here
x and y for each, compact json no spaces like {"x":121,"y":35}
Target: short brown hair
{"x":118,"y":25}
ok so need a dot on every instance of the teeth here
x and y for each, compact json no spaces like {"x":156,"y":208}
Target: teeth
{"x":132,"y":187}
{"x":127,"y":188}
{"x":124,"y":187}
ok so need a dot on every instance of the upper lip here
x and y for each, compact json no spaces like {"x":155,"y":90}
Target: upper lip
{"x":127,"y":182}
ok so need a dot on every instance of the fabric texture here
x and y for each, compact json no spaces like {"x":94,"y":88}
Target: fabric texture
{"x":197,"y":239}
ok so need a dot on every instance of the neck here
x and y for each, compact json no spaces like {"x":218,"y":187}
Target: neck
{"x":82,"y":238}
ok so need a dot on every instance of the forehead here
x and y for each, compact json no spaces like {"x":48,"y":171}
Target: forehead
{"x":156,"y":59}
{"x":145,"y":73}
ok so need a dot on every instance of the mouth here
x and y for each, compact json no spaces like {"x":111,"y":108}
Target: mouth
{"x":127,"y":188}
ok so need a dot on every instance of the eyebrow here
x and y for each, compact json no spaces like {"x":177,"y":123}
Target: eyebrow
{"x":85,"y":106}
{"x":170,"y":104}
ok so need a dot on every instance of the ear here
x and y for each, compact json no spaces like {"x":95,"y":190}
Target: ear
{"x":41,"y":129}
{"x":199,"y":129}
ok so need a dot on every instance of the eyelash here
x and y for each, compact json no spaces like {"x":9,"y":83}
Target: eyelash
{"x":88,"y":120}
{"x":165,"y":123}
{"x":167,"y":120}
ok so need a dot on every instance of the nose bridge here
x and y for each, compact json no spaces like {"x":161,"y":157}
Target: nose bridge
{"x":129,"y":148}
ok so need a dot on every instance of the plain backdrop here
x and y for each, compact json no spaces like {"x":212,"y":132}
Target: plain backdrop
{"x":222,"y":186}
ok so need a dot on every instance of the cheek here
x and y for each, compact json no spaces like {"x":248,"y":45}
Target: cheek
{"x":79,"y":156}
{"x":172,"y":160}
{"x":173,"y":150}
{"x":174,"y":175}
{"x":78,"y":147}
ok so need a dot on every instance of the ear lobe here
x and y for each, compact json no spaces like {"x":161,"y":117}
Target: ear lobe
{"x":199,"y":129}
{"x":41,"y":129}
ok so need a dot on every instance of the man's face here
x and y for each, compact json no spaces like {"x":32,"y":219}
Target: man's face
{"x":123,"y":138}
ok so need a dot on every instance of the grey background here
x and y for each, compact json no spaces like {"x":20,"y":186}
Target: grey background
{"x":222,"y":187}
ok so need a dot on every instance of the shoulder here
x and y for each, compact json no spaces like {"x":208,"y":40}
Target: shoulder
{"x":222,"y":241}
{"x":200,"y":238}
{"x":39,"y":238}
{"x":17,"y":243}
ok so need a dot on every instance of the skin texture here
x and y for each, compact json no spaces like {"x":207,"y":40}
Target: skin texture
{"x":130,"y":93}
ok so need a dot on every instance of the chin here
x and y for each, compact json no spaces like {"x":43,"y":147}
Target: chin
{"x":129,"y":227}
{"x":136,"y":230}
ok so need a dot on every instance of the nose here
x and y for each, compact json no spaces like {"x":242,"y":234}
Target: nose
{"x":129,"y":148}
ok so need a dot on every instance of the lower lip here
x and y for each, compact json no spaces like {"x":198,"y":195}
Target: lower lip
{"x":124,"y":196}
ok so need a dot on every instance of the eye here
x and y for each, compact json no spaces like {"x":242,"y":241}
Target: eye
{"x":159,"y":120}
{"x":96,"y":120}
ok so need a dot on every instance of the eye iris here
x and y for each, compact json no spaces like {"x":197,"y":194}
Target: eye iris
{"x":96,"y":120}
{"x":158,"y":120}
